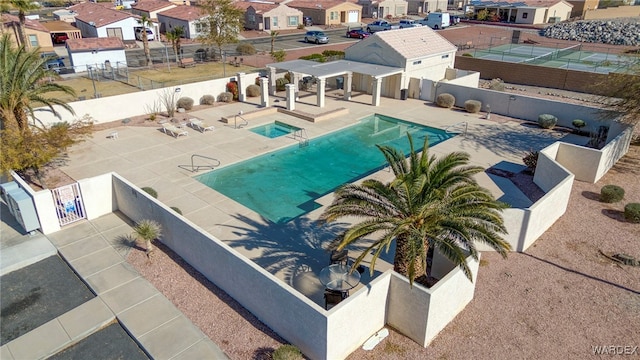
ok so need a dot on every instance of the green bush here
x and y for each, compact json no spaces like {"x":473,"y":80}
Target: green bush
{"x":279,"y":55}
{"x":446,"y":100}
{"x":472,"y":106}
{"x":185,"y":103}
{"x":253,"y":90}
{"x":496,"y":85}
{"x":611,"y":193}
{"x":547,"y":121}
{"x":578,"y":123}
{"x":632,"y":212}
{"x":467,"y":54}
{"x":176,"y":210}
{"x":333,"y":54}
{"x":287,"y":352}
{"x":246,"y":49}
{"x":314,"y":57}
{"x":150,"y":191}
{"x":225,"y":97}
{"x":280,"y":84}
{"x":207,"y":100}
{"x":531,"y":160}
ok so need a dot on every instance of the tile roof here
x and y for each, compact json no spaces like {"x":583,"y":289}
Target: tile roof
{"x":98,"y":14}
{"x":262,"y":7}
{"x":184,"y":12}
{"x":517,"y":3}
{"x":313,"y":4}
{"x":30,"y":24}
{"x":59,"y":26}
{"x":152,"y":5}
{"x":90,"y":44}
{"x":415,"y":42}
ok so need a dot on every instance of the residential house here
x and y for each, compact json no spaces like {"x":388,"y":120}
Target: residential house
{"x":526,"y":11}
{"x":37,"y":34}
{"x":95,"y":20}
{"x":269,"y":16}
{"x":581,"y":6}
{"x":185,"y":16}
{"x":383,"y":9}
{"x":65,"y":15}
{"x":151,"y":8}
{"x":421,"y":52}
{"x":329,"y":12}
{"x":62,"y":30}
{"x":419,"y":7}
{"x":96,"y":53}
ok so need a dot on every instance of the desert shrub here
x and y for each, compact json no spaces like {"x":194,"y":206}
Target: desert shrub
{"x":611,"y":193}
{"x":472,"y":106}
{"x":578,"y":123}
{"x":632,"y":212}
{"x":445,"y":100}
{"x":280,"y":84}
{"x":286,"y":352}
{"x":467,"y":54}
{"x":150,"y":191}
{"x":232,"y":87}
{"x":246,"y":49}
{"x":314,"y":57}
{"x":333,"y":54}
{"x":176,"y":210}
{"x":207,"y":100}
{"x":547,"y":121}
{"x":279,"y":55}
{"x":496,"y":84}
{"x":531,"y":160}
{"x":300,"y":26}
{"x":287,"y":76}
{"x":253,"y":90}
{"x":225,"y":97}
{"x":185,"y":103}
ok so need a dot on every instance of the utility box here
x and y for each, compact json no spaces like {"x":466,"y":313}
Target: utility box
{"x":404,"y":94}
{"x":21,"y":206}
{"x":6,"y":188}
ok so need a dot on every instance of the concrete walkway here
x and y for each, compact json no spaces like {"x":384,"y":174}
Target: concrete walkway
{"x":95,"y":250}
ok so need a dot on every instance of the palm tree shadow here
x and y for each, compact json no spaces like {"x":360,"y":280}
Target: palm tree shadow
{"x":591,"y":195}
{"x":614,"y":214}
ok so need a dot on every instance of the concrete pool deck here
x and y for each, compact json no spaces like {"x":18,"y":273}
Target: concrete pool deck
{"x":148,"y":157}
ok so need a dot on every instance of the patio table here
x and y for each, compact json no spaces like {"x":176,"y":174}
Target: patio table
{"x":338,"y":277}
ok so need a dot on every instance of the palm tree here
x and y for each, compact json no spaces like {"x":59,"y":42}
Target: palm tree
{"x":24,"y":85}
{"x":274,"y":35}
{"x":147,"y":231}
{"x":431,"y":204}
{"x":174,"y":35}
{"x":146,"y":23}
{"x":23,"y":6}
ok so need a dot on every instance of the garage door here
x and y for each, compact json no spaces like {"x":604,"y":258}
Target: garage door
{"x":353,"y":16}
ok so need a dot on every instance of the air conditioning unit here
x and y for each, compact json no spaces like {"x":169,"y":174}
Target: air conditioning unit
{"x":20,"y":206}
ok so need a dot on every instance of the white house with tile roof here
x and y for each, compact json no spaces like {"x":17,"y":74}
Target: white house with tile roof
{"x":421,"y":52}
{"x":185,"y":16}
{"x":98,"y":21}
{"x":267,"y":16}
{"x":151,"y":8}
{"x":95,"y":53}
{"x":525,"y":11}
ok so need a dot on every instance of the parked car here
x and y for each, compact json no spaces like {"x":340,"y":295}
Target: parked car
{"x":317,"y":37}
{"x":139,"y":35}
{"x":408,"y":23}
{"x":357,"y":33}
{"x":60,"y":38}
{"x":306,"y":20}
{"x":381,"y":25}
{"x":454,"y":20}
{"x":436,"y":20}
{"x":53,"y":61}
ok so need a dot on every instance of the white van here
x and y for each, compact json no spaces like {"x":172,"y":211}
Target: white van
{"x":436,"y":20}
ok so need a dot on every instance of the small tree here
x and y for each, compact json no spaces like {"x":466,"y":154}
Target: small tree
{"x":146,"y":22}
{"x":222,"y":23}
{"x":168,"y":99}
{"x":174,"y":35}
{"x":278,"y":55}
{"x":274,"y":35}
{"x":147,"y":231}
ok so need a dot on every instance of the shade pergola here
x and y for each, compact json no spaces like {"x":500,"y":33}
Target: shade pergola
{"x":322,"y":71}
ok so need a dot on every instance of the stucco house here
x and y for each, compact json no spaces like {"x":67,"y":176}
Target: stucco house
{"x":151,"y":8}
{"x":382,"y":9}
{"x":37,"y":34}
{"x":415,"y":7}
{"x":98,"y":21}
{"x":96,"y":53}
{"x":329,"y":12}
{"x":269,"y":16}
{"x":185,"y":16}
{"x":526,"y":11}
{"x":580,"y":7}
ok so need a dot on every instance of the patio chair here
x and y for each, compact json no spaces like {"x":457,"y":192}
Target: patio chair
{"x":333,"y":297}
{"x":201,"y":125}
{"x":339,"y":257}
{"x":173,"y":130}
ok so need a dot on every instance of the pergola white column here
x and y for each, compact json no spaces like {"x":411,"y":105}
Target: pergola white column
{"x":242,"y":88}
{"x":296,"y":81}
{"x":375,"y":92}
{"x":320,"y":93}
{"x":347,"y":85}
{"x":291,"y":96}
{"x":264,"y":91}
{"x":272,"y":81}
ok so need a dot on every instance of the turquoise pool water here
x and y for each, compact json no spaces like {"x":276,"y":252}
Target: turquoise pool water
{"x":274,"y":130}
{"x":284,"y":184}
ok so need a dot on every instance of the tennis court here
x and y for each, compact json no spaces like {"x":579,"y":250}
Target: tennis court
{"x":572,"y":57}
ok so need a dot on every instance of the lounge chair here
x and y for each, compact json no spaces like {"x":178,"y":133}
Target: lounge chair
{"x":200,"y":125}
{"x":173,"y":130}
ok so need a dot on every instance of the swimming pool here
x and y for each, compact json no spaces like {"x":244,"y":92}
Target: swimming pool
{"x":284,"y":184}
{"x":274,"y":129}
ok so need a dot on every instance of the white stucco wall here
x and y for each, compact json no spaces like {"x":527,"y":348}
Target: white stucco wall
{"x":82,"y":60}
{"x":127,"y":25}
{"x":100,"y":198}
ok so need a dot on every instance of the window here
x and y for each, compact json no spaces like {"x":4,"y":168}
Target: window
{"x":198,"y":27}
{"x":292,"y":20}
{"x":252,"y":18}
{"x":275,"y":21}
{"x":524,"y":15}
{"x":417,"y":62}
{"x":333,"y":15}
{"x":445,"y":56}
{"x":33,"y":39}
